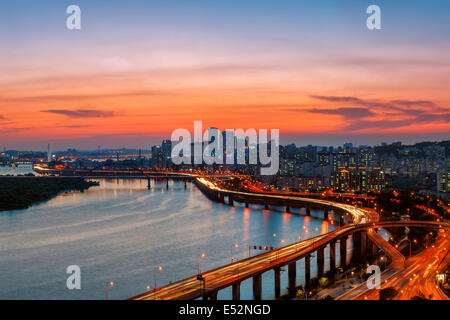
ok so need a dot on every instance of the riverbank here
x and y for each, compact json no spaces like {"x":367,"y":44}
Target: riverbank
{"x":22,"y":192}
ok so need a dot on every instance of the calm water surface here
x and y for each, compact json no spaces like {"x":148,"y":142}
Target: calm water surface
{"x":120,"y":231}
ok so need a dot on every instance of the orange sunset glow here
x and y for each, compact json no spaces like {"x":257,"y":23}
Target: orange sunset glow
{"x":77,"y":86}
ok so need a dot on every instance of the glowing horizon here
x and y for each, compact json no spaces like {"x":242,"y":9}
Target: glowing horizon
{"x":137,"y":71}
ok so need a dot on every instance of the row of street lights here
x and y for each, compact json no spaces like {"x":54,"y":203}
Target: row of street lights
{"x":111,"y":284}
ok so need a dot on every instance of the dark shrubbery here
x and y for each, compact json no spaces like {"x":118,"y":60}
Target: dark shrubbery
{"x":22,"y":192}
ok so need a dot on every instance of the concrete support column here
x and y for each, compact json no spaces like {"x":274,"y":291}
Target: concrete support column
{"x":277,"y":282}
{"x":246,"y":204}
{"x":343,"y":251}
{"x":230,"y":200}
{"x":257,"y":287}
{"x":357,"y":244}
{"x":374,"y":248}
{"x":368,"y":245}
{"x":167,"y":184}
{"x":237,"y":291}
{"x":308,"y":211}
{"x":333,"y":260}
{"x":320,"y":262}
{"x":288,"y":209}
{"x":325,"y":214}
{"x":307,"y":271}
{"x":149,"y":186}
{"x":292,"y":274}
{"x":214,"y":295}
{"x":363,"y":242}
{"x":266,"y":205}
{"x":185,"y":184}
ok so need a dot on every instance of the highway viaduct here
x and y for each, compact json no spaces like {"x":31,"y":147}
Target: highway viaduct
{"x":253,"y":267}
{"x":207,"y":285}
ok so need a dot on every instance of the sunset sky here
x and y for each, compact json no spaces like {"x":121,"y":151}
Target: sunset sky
{"x":137,"y":70}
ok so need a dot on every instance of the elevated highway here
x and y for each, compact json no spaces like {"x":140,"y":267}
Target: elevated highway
{"x":217,"y":193}
{"x":253,"y":267}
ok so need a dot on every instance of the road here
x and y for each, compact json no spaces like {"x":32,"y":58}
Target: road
{"x":418,"y":278}
{"x":222,"y":277}
{"x":359,"y":215}
{"x":225,"y":276}
{"x":397,"y":264}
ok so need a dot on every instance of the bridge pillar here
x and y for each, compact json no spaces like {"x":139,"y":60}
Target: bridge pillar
{"x":292,"y":275}
{"x":257,"y":287}
{"x":230,"y":200}
{"x":246,"y":204}
{"x":357,"y":247}
{"x":277,"y":282}
{"x":333,"y":260}
{"x":364,"y":240}
{"x":266,"y":205}
{"x":307,"y":271}
{"x":237,"y":291}
{"x":374,"y":248}
{"x":149,"y":186}
{"x":320,"y":262}
{"x":325,"y":214}
{"x":308,"y":211}
{"x":288,"y":209}
{"x":185,"y":184}
{"x":343,"y":251}
{"x":167,"y":184}
{"x":220,"y":197}
{"x":211,"y":296}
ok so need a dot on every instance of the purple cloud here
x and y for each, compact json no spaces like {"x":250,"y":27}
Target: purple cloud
{"x":349,"y":113}
{"x":82,"y":113}
{"x":411,"y":111}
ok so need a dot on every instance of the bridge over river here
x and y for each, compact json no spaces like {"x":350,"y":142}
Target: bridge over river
{"x":207,"y":284}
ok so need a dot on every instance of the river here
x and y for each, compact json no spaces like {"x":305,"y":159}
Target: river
{"x":120,"y":231}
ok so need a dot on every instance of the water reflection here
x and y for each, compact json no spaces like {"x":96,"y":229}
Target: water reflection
{"x":120,"y":231}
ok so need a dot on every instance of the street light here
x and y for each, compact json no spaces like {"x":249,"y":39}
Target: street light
{"x":109,"y":284}
{"x":384,"y":262}
{"x":410,"y":249}
{"x":159,"y":268}
{"x":198,"y":261}
{"x":231,"y":250}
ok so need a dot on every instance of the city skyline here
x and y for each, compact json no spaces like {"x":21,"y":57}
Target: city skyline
{"x":314,"y":71}
{"x":157,"y":142}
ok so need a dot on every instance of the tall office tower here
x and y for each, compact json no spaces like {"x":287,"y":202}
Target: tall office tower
{"x":49,"y":153}
{"x":166,"y":149}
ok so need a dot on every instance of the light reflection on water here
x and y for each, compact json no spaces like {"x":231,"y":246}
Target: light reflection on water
{"x":120,"y":231}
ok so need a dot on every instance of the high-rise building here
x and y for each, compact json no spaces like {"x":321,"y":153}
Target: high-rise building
{"x":358,"y":180}
{"x":443,"y":180}
{"x":157,"y":157}
{"x":166,"y":150}
{"x":49,"y":153}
